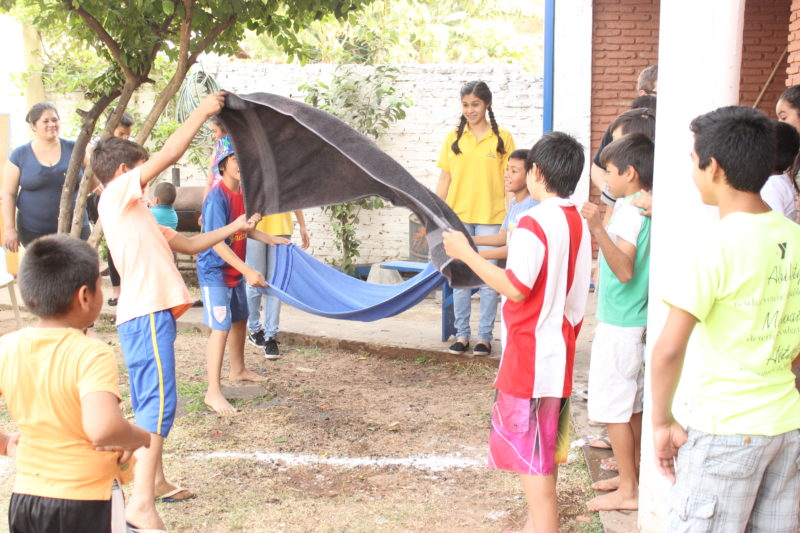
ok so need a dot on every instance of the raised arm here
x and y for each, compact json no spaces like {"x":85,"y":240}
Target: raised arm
{"x":179,"y":141}
{"x":620,"y":256}
{"x":10,"y":190}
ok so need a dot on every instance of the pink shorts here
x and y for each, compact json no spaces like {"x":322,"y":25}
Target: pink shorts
{"x":529,"y":435}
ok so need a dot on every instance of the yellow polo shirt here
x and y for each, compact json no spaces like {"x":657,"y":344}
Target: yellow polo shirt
{"x":477,"y":192}
{"x":44,"y":374}
{"x":280,"y":224}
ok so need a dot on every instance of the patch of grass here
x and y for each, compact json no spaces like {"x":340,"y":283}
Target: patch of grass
{"x":194,"y":394}
{"x":308,"y":352}
{"x":422,"y":360}
{"x":255,"y":400}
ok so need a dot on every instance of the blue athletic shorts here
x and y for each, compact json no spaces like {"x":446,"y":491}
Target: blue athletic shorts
{"x":224,"y":306}
{"x":148,"y":344}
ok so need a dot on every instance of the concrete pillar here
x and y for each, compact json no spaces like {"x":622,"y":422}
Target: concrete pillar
{"x":700,"y":49}
{"x":572,"y":78}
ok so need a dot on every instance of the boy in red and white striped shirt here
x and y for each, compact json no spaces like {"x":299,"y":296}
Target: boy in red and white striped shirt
{"x":544,"y":287}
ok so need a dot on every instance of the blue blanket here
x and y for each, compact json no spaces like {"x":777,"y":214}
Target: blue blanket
{"x":314,"y":287}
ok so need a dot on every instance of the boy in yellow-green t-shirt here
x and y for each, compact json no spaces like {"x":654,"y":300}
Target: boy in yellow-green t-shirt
{"x":737,"y":460}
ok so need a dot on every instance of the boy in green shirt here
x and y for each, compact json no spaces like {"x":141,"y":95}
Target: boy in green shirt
{"x":616,"y":370}
{"x":737,"y":461}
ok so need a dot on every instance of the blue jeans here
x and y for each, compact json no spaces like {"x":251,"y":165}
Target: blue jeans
{"x":462,"y":306}
{"x":261,"y":257}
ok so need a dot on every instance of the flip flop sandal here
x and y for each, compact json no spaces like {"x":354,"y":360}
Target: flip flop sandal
{"x":600,"y":443}
{"x":167,"y":497}
{"x":133,"y":529}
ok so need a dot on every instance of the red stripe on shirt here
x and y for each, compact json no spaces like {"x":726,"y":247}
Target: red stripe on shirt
{"x":521,"y":287}
{"x":569,"y":331}
{"x":517,"y":373}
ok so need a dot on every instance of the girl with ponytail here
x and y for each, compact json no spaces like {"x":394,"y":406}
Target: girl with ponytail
{"x":473,"y":160}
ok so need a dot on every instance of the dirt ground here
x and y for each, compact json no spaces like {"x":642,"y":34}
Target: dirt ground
{"x":339,"y":442}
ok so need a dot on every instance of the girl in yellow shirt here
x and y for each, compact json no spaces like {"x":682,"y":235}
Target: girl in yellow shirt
{"x":473,"y":160}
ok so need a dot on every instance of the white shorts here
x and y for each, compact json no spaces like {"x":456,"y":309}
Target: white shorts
{"x":616,"y":373}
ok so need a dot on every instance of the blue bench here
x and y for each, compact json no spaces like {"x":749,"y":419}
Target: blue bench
{"x":448,"y":314}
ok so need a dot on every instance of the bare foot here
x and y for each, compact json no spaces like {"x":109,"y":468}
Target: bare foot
{"x":247,"y":375}
{"x":218,"y":403}
{"x":606,"y":484}
{"x":613,"y":501}
{"x":143,"y":515}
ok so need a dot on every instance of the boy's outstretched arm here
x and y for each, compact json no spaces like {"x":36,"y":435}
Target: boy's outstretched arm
{"x":457,"y":246}
{"x":498,"y":239}
{"x":106,"y":427}
{"x":665,"y":371}
{"x":251,"y":276}
{"x":266,"y":238}
{"x":180,"y":139}
{"x":621,"y":256}
{"x":204,"y":241}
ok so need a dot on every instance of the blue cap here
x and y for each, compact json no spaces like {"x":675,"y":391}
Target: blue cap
{"x":222,"y":149}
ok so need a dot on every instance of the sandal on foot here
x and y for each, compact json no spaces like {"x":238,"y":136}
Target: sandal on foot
{"x":601,"y":443}
{"x":133,"y":529}
{"x":169,"y":497}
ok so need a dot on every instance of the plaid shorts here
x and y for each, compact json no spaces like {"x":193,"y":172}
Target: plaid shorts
{"x":732,"y":483}
{"x":529,"y":435}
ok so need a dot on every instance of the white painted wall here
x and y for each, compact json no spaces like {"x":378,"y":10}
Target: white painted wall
{"x":12,"y":97}
{"x":572,"y":78}
{"x":414,"y":142}
{"x":696,"y":75}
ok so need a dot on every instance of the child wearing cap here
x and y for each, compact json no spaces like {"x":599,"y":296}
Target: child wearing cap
{"x":220,"y":270}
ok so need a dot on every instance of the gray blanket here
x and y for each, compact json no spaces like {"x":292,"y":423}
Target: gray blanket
{"x":294,"y":156}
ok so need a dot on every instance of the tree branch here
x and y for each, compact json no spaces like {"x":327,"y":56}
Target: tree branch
{"x":210,"y":37}
{"x":104,"y":36}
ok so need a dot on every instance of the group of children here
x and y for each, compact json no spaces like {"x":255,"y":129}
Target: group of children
{"x":735,"y":465}
{"x":743,"y":438}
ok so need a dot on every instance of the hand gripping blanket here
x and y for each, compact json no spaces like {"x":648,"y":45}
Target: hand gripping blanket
{"x":314,"y":287}
{"x":294,"y":156}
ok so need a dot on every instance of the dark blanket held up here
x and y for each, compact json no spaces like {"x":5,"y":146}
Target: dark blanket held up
{"x":294,"y":156}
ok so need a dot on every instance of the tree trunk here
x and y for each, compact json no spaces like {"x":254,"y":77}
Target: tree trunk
{"x":83,"y":192}
{"x":75,"y":162}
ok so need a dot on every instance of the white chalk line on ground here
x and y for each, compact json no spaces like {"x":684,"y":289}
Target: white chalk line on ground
{"x":433,"y":463}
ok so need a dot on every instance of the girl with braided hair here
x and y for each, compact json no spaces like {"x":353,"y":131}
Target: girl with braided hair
{"x":473,"y":160}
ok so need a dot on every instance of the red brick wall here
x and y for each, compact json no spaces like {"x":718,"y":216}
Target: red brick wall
{"x":624,"y":41}
{"x":766,"y":31}
{"x":793,"y":67}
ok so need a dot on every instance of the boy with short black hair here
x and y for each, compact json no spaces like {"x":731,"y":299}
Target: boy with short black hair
{"x":220,"y":270}
{"x":153,"y":294}
{"x":739,"y":293}
{"x":516,"y":184}
{"x":616,"y":369}
{"x":544,"y":288}
{"x":62,"y":389}
{"x":163,"y":198}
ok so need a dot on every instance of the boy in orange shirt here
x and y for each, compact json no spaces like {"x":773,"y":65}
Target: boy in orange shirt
{"x":62,"y":389}
{"x":153,"y":294}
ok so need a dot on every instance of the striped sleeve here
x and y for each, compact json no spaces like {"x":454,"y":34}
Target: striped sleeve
{"x":527,"y":252}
